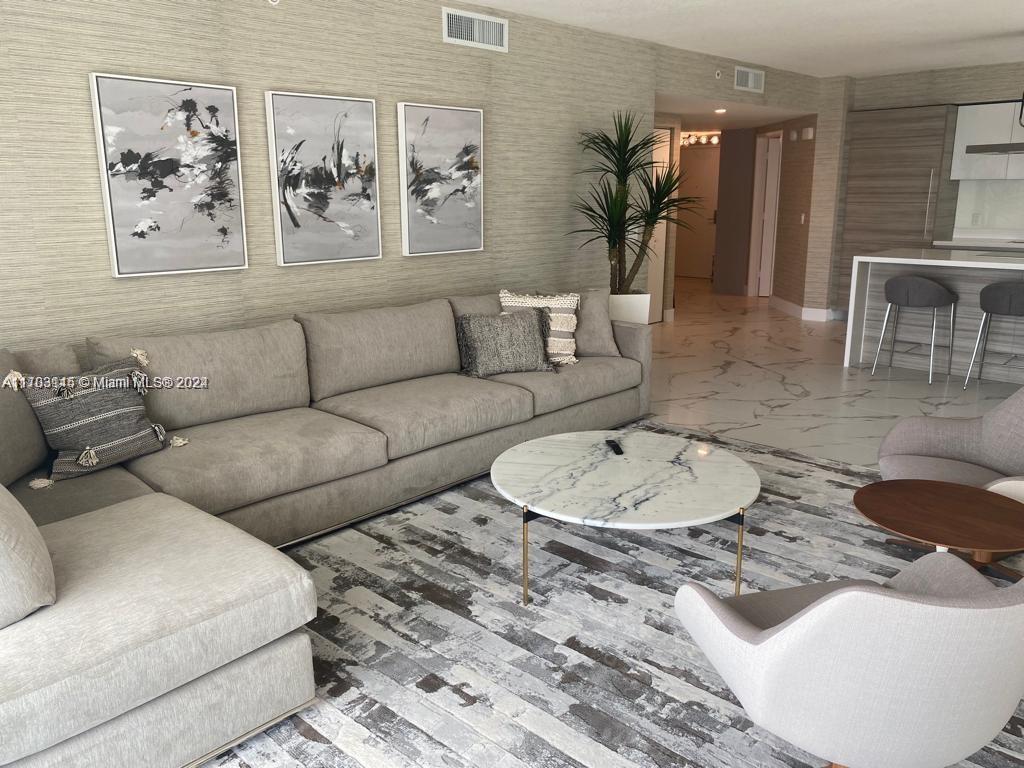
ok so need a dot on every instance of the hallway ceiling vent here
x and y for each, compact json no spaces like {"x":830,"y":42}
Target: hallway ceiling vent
{"x":474,"y":29}
{"x":748,"y":79}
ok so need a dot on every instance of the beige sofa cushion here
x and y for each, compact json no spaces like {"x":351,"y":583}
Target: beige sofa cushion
{"x":433,"y":410}
{"x":232,"y":463}
{"x":152,"y":594}
{"x":250,"y":370}
{"x":77,"y":495}
{"x":589,"y":379}
{"x":484,"y":304}
{"x":23,"y":446}
{"x":594,"y":336}
{"x":26,"y":573}
{"x":369,"y":347}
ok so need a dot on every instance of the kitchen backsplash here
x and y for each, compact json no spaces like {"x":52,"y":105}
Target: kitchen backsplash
{"x":990,"y":208}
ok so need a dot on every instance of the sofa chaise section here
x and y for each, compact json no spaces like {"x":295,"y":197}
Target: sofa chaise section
{"x":152,"y":594}
{"x":199,"y":720}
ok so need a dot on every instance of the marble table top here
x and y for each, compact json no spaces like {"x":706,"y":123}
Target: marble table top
{"x":660,"y":481}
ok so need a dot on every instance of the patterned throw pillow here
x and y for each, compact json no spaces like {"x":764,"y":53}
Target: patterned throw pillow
{"x":561,"y":341}
{"x":94,"y":419}
{"x":508,"y":343}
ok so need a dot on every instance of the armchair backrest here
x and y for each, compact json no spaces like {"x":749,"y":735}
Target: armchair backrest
{"x":1003,"y":436}
{"x":869,"y":675}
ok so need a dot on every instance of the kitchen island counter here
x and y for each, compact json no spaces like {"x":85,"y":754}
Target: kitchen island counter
{"x":965,"y":272}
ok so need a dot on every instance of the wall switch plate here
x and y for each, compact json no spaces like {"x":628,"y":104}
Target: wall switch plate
{"x":803,"y":217}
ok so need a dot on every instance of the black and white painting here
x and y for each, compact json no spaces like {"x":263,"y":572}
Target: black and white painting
{"x":441,"y":164}
{"x":323,"y":160}
{"x":169,"y":160}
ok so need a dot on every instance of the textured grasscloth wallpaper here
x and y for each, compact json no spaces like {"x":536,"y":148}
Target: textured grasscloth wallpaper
{"x":55,"y":280}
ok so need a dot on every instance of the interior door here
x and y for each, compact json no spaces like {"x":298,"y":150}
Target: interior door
{"x":770,"y":214}
{"x":695,"y":247}
{"x":656,"y":261}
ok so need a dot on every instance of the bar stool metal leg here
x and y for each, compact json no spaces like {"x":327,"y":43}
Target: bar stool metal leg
{"x":984,"y":344}
{"x":974,"y":355}
{"x":931,"y":353}
{"x":952,"y":333}
{"x":881,"y":338}
{"x":895,"y":330}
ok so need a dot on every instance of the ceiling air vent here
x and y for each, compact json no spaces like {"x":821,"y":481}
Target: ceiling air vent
{"x":474,"y":29}
{"x":748,"y":79}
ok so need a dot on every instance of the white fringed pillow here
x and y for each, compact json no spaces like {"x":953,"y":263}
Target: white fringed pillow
{"x":561,"y":308}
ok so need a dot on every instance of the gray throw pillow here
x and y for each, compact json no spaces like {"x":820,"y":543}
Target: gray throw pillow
{"x":512,"y":342}
{"x":594,"y":335}
{"x":26,"y":571}
{"x":95,"y":419}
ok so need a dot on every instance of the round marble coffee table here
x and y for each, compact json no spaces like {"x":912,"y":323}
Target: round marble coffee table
{"x":659,"y":481}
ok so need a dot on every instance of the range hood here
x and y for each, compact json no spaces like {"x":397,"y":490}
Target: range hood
{"x":1014,"y":148}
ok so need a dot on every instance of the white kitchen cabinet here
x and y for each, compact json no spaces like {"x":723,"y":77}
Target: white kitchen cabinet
{"x":1015,"y":167}
{"x":981,"y":124}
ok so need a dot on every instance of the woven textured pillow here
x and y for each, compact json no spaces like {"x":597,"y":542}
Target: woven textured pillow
{"x":561,"y":340}
{"x":512,"y":342}
{"x":95,"y":419}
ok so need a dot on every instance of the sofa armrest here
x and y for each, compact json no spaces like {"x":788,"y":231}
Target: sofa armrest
{"x":941,"y":438}
{"x":634,"y":342}
{"x":1008,"y":486}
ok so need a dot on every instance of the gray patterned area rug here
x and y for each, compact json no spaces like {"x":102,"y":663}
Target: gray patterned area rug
{"x":425,"y":656}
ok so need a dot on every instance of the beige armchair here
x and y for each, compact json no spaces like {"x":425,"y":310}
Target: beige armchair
{"x":920,"y":672}
{"x":986,"y":451}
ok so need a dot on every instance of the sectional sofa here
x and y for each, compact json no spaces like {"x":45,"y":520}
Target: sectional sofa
{"x":175,"y":628}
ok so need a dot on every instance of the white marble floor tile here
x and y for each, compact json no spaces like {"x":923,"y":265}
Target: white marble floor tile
{"x":734,"y":365}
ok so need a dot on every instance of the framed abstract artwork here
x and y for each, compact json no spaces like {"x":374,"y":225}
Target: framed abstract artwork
{"x":170,"y":169}
{"x":323,"y":165}
{"x":441,"y":169}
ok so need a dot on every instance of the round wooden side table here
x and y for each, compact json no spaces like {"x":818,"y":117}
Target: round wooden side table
{"x":948,"y":516}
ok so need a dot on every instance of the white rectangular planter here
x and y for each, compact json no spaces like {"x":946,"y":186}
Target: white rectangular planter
{"x":630,"y":307}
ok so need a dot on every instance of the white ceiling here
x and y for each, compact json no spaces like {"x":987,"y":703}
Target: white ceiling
{"x":699,"y":114}
{"x":815,"y":37}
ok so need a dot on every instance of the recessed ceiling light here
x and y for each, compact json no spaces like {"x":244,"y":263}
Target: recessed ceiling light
{"x":720,"y":111}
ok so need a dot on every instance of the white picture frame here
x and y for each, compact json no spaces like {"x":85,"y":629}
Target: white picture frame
{"x":459,"y":128}
{"x":309,"y":111}
{"x":198,"y":248}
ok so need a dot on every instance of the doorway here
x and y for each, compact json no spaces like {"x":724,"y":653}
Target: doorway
{"x":695,"y":247}
{"x":656,"y":262}
{"x":765,"y":213}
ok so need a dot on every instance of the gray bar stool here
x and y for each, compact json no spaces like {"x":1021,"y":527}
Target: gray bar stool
{"x":1006,"y":299}
{"x":915,"y":292}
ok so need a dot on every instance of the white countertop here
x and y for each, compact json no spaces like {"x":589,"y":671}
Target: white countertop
{"x":982,"y":243}
{"x":947,"y":257}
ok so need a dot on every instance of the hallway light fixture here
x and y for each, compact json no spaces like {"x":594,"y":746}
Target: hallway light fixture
{"x":721,"y":111}
{"x":702,"y":138}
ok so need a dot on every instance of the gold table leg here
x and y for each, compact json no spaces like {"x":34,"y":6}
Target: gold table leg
{"x":526,"y":556}
{"x":739,"y":549}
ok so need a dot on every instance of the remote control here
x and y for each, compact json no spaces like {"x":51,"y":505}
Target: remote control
{"x":616,"y":448}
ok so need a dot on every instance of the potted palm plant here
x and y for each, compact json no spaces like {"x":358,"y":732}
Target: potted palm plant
{"x":631,"y":196}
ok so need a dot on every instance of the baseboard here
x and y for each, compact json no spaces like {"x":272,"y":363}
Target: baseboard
{"x":668,"y":315}
{"x":812,"y":314}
